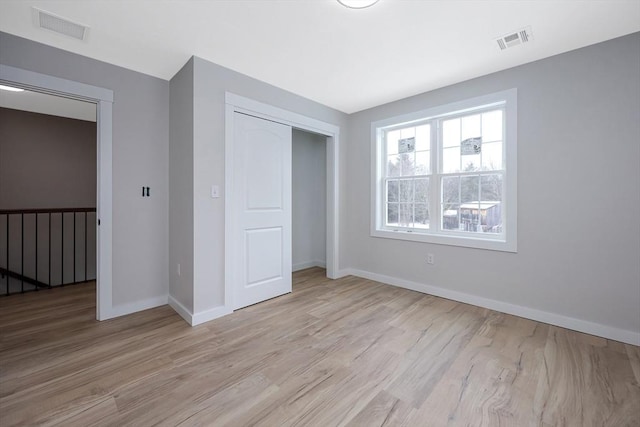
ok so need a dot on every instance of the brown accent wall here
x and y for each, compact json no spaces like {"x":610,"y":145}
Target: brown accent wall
{"x":46,"y":161}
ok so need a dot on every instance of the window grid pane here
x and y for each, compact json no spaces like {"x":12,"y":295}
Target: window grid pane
{"x":467,"y":179}
{"x":464,"y":195}
{"x":406,"y":177}
{"x":472,"y":203}
{"x":407,"y":203}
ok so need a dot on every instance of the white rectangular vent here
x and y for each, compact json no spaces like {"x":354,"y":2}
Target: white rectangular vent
{"x":59,"y":25}
{"x":514,"y":39}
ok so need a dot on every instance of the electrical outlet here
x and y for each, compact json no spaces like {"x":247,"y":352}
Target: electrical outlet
{"x":430,"y":259}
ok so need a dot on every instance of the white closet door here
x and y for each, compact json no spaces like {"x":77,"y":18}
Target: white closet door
{"x":262,"y":199}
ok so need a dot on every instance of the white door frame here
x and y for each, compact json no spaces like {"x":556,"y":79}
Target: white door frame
{"x":103,"y":98}
{"x":236,"y":103}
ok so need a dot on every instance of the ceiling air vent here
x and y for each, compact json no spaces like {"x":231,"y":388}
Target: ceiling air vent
{"x":59,"y":25}
{"x":513,"y":39}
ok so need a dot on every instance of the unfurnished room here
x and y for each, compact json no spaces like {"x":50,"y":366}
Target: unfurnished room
{"x":320,"y":213}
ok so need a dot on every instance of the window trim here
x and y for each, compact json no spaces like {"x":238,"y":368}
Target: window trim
{"x":505,"y":243}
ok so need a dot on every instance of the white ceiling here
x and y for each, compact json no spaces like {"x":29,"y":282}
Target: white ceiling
{"x":48,"y":104}
{"x":347,"y":59}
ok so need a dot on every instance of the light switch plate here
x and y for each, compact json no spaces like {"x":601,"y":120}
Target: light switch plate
{"x":215,"y":191}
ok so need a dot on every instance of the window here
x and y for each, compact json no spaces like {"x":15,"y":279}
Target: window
{"x":448,"y":174}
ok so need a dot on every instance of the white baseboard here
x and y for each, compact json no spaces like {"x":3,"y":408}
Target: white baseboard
{"x":308,"y":264}
{"x":183,"y":311}
{"x":133,"y":307}
{"x":198,"y":318}
{"x":629,"y":337}
{"x":344,"y":273}
{"x":212,"y":313}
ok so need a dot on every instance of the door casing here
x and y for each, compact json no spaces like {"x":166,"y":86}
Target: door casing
{"x":103,"y":98}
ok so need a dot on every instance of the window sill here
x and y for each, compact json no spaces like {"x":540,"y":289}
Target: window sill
{"x":442,"y":239}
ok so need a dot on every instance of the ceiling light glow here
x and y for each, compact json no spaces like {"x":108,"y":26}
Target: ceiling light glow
{"x":357,"y":4}
{"x":11,"y":89}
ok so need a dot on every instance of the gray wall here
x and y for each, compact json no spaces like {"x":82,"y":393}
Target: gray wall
{"x":578,"y":191}
{"x":210,"y":83}
{"x":46,"y":161}
{"x":140,"y":157}
{"x":578,"y":173}
{"x":181,"y":186}
{"x":309,"y":200}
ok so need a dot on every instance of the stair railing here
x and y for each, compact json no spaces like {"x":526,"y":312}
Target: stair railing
{"x":21,"y":250}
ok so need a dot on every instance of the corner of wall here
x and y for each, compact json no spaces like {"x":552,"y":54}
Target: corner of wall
{"x":204,"y":316}
{"x":183,"y":311}
{"x":181,"y":124}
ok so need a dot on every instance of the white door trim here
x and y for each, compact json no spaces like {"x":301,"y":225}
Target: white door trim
{"x":236,"y":103}
{"x":103,"y":98}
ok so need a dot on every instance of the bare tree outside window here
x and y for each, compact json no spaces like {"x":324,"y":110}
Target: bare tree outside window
{"x":407,"y":184}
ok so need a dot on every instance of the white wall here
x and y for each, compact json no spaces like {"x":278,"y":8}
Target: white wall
{"x":578,"y":259}
{"x":309,"y":200}
{"x":43,"y":103}
{"x":140,"y":158}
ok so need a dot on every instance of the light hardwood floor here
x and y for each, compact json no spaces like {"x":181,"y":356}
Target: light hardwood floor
{"x":346,"y":352}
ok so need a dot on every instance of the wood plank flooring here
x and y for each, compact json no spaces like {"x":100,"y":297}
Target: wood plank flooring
{"x":349,"y":352}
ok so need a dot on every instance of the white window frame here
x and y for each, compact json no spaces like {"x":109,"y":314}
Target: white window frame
{"x":505,"y":241}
